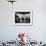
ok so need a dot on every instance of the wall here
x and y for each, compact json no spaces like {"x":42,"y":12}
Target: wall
{"x":9,"y":31}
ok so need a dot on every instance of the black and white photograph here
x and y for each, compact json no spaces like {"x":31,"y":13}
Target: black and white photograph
{"x":23,"y":18}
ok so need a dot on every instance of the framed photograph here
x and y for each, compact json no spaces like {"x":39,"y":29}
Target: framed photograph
{"x":23,"y":18}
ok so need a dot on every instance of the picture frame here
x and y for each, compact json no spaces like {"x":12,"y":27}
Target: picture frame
{"x":23,"y":18}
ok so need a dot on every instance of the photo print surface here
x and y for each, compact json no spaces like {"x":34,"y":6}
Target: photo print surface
{"x":23,"y":18}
